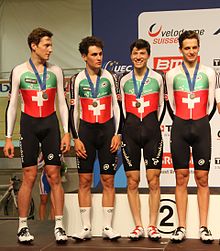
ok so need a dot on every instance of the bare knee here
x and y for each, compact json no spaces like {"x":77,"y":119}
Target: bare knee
{"x":107,"y":182}
{"x":29,"y":176}
{"x":85,"y":182}
{"x":133,"y":182}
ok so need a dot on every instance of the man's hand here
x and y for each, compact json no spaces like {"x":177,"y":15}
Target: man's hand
{"x":65,"y":143}
{"x":115,"y":144}
{"x":80,"y":148}
{"x":9,"y":148}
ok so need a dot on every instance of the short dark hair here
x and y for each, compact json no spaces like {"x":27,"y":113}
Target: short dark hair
{"x":89,"y":41}
{"x":140,"y":44}
{"x":189,"y":34}
{"x":36,"y":35}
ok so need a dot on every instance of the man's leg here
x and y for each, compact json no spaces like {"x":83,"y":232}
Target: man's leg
{"x":84,"y":197}
{"x":181,"y":195}
{"x":43,"y":205}
{"x":24,"y":197}
{"x":54,"y":179}
{"x":153,"y":178}
{"x":108,"y":200}
{"x":133,"y":179}
{"x":203,"y":195}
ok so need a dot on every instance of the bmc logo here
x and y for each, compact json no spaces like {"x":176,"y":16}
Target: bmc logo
{"x":167,"y":63}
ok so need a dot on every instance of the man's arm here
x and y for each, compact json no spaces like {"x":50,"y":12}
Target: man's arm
{"x":10,"y":113}
{"x":64,"y":113}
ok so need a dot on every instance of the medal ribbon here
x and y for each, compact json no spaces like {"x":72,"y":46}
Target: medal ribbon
{"x":138,"y":92}
{"x":191,"y":82}
{"x":95,"y":90}
{"x":41,"y":83}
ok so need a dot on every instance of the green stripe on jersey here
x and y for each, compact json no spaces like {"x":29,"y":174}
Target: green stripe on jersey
{"x":180,"y":82}
{"x":28,"y":81}
{"x":104,"y":88}
{"x":151,"y":86}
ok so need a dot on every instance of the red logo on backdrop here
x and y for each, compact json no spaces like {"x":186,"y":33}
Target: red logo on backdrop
{"x":167,"y":161}
{"x":167,"y":63}
{"x":153,"y":33}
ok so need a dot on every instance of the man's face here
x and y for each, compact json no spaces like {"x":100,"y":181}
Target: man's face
{"x":139,"y":57}
{"x":190,"y":50}
{"x":94,"y":57}
{"x":44,"y":48}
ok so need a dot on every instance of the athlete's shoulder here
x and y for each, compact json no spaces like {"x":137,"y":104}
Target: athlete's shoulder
{"x":126,"y":76}
{"x":207,"y":69}
{"x":20,"y":67}
{"x":156,"y":74}
{"x":53,"y":67}
{"x":173,"y":71}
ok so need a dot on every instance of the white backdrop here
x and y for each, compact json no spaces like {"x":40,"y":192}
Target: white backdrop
{"x":162,"y":30}
{"x":69,"y":20}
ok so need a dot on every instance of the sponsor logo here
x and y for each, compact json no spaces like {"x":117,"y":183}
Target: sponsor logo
{"x":30,"y":81}
{"x":201,"y":162}
{"x":162,"y":36}
{"x":155,"y":161}
{"x":154,"y":32}
{"x":216,"y":62}
{"x":125,"y":154}
{"x":50,"y":156}
{"x":217,"y":160}
{"x":106,"y":167}
{"x":166,"y":63}
{"x":116,"y":67}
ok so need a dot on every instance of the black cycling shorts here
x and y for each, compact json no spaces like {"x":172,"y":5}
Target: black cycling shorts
{"x":146,"y":135}
{"x":195,"y":134}
{"x":97,"y":138}
{"x":39,"y":130}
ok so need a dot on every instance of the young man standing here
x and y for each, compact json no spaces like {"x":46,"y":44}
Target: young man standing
{"x":191,"y":88}
{"x":94,"y":103}
{"x":38,"y":82}
{"x":142,"y":102}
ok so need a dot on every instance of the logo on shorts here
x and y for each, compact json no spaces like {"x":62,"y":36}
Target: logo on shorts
{"x":50,"y":156}
{"x":155,"y":161}
{"x":82,"y":211}
{"x":106,"y":167}
{"x":201,"y":162}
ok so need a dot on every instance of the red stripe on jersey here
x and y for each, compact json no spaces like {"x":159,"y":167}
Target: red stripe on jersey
{"x":187,"y":108}
{"x":99,"y":114}
{"x":149,"y":103}
{"x":34,"y":104}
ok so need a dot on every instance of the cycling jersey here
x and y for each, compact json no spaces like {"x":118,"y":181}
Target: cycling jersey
{"x":185,"y":103}
{"x":24,"y":81}
{"x":106,"y":106}
{"x":141,"y":127}
{"x":152,"y":97}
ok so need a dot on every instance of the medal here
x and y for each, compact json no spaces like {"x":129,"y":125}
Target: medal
{"x":192,"y":95}
{"x":94,"y":104}
{"x":138,"y":104}
{"x":44,"y":95}
{"x":191,"y":82}
{"x":41,"y":82}
{"x":139,"y":91}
